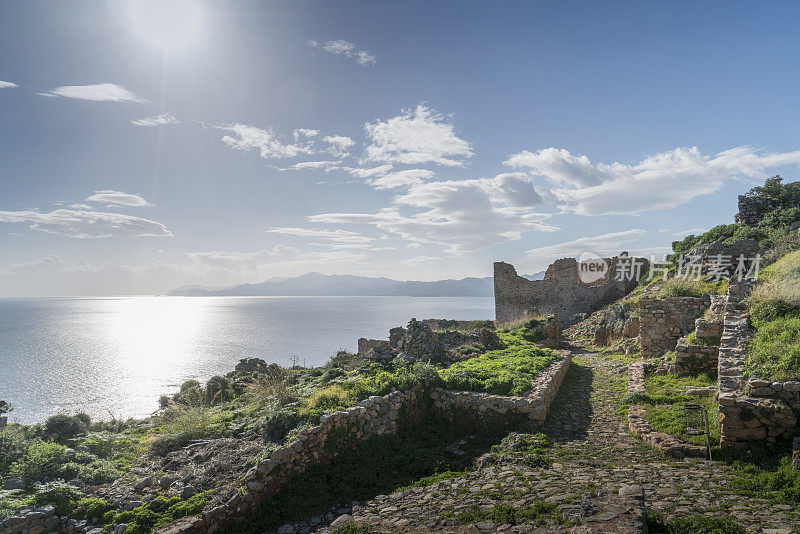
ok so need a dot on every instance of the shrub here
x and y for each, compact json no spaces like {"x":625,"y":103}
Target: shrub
{"x":5,"y":408}
{"x":279,"y":424}
{"x":191,"y":394}
{"x":181,"y":424}
{"x":41,"y":459}
{"x":218,"y":389}
{"x":62,"y":496}
{"x":93,"y":507}
{"x":67,"y":426}
{"x":12,"y":448}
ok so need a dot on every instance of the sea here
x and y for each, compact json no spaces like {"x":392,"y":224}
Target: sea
{"x":113,"y":357}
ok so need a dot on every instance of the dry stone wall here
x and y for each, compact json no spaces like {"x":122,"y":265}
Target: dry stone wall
{"x":750,"y":410}
{"x":560,"y":293}
{"x":365,"y":345}
{"x":376,"y":416}
{"x":695,"y":359}
{"x":534,"y":405}
{"x":662,"y":322}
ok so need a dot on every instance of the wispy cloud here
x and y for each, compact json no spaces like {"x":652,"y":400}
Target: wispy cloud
{"x":156,"y":120}
{"x":86,"y":223}
{"x":401,"y":178}
{"x":7,"y":85}
{"x":345,"y":48}
{"x":462,"y":216}
{"x":592,"y":189}
{"x":342,"y":238}
{"x":101,"y":92}
{"x":415,"y":137}
{"x":684,"y":233}
{"x":109,"y":196}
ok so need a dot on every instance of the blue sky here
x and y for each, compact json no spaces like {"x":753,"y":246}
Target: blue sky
{"x":224,"y":142}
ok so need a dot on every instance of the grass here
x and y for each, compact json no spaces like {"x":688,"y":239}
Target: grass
{"x":691,"y":339}
{"x":506,"y":371}
{"x":695,"y":524}
{"x":538,"y":514}
{"x":683,"y":287}
{"x":664,"y":401}
{"x":774,"y":351}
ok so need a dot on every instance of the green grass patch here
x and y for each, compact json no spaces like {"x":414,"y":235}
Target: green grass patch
{"x":506,"y":371}
{"x":538,"y":514}
{"x":774,"y":351}
{"x":664,"y":403}
{"x":683,"y":287}
{"x":694,"y":524}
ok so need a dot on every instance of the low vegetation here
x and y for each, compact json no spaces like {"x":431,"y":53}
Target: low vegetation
{"x":686,"y":287}
{"x":775,"y":313}
{"x":664,"y":402}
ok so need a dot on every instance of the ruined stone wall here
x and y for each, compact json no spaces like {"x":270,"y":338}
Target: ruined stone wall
{"x":662,"y":322}
{"x":695,"y":359}
{"x":365,"y":345}
{"x":750,"y":410}
{"x":560,"y":293}
{"x":376,"y":416}
{"x":753,"y":210}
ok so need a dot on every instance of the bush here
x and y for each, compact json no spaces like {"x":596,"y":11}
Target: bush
{"x":41,"y":459}
{"x":12,"y":448}
{"x":181,"y":424}
{"x":191,"y":394}
{"x":218,"y":389}
{"x":67,"y":426}
{"x":278,"y":425}
{"x":62,"y":496}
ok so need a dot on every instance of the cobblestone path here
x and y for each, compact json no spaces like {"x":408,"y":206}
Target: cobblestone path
{"x":591,"y":457}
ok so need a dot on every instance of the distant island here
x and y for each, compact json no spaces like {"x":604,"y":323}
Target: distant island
{"x":325,"y":285}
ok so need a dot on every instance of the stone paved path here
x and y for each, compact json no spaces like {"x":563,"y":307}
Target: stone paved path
{"x":591,"y":458}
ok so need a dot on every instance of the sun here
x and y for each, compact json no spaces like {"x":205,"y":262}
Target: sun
{"x":168,"y":24}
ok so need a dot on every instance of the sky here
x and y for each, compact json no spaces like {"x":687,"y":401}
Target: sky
{"x":151,"y":145}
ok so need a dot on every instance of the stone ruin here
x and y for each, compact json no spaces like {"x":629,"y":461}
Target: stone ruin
{"x":562,"y":293}
{"x":753,"y":209}
{"x":419,"y":342}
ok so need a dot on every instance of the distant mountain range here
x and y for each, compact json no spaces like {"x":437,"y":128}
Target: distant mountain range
{"x":324,"y":285}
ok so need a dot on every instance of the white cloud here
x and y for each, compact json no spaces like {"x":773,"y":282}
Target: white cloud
{"x":401,"y":178}
{"x":684,"y":233}
{"x":603,"y":245}
{"x":369,"y":171}
{"x":463,"y":216}
{"x":241,"y":260}
{"x":109,"y":196}
{"x":156,"y":120}
{"x":264,"y":141}
{"x":101,"y":92}
{"x":7,"y":85}
{"x":337,"y":237}
{"x":415,"y":137}
{"x":86,"y":223}
{"x":339,"y":145}
{"x":327,"y":166}
{"x":660,"y":181}
{"x":347,"y":49}
{"x":304,"y":132}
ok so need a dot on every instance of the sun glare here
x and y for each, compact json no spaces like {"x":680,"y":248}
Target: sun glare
{"x":168,"y":24}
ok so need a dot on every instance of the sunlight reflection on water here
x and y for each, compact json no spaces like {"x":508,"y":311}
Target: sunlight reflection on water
{"x":117,"y":355}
